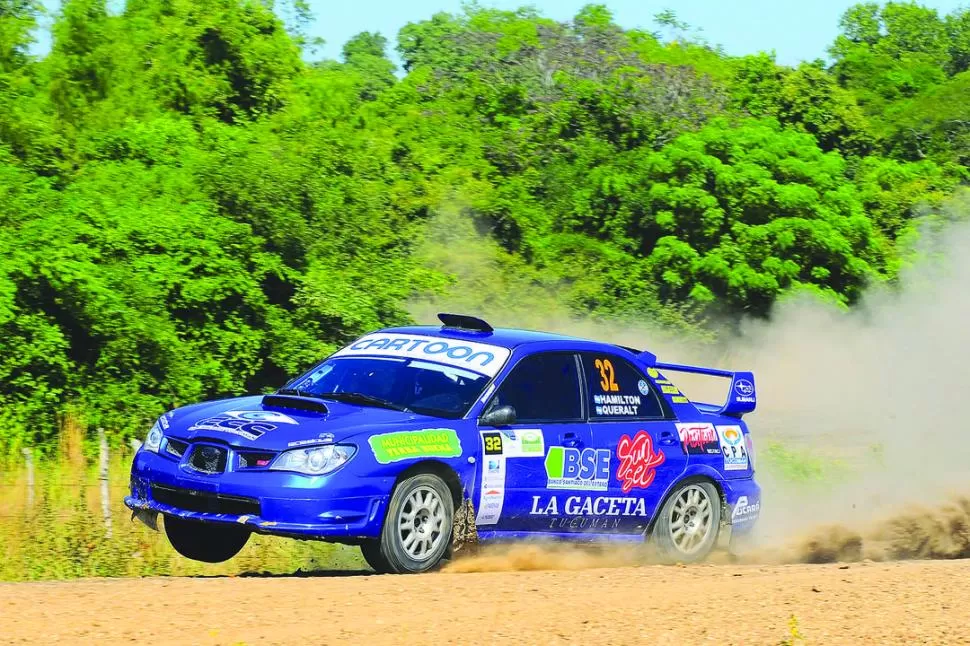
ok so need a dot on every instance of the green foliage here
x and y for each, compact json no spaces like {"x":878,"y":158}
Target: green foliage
{"x":190,"y":210}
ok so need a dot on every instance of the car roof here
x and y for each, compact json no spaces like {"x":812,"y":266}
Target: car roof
{"x":510,"y":338}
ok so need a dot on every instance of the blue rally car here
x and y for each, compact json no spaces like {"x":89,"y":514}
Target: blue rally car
{"x":411,"y":441}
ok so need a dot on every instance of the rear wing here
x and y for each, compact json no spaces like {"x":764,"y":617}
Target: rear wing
{"x":741,"y":398}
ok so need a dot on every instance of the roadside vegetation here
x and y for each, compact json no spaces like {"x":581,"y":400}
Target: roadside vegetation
{"x":194,"y":207}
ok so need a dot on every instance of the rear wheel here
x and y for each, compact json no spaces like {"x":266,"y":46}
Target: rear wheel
{"x":207,"y":542}
{"x":689,"y":521}
{"x":417,"y":529}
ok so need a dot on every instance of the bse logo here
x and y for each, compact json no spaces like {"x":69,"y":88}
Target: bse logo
{"x":568,"y":468}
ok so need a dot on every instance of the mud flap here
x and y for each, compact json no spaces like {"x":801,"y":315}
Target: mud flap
{"x":725,"y":533}
{"x":150,"y":518}
{"x":464,"y":534}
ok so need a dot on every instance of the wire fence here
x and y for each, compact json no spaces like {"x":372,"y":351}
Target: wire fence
{"x":109,"y":493}
{"x":63,"y":516}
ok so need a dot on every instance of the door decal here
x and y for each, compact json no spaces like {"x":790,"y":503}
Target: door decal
{"x":638,"y":461}
{"x":497,"y":447}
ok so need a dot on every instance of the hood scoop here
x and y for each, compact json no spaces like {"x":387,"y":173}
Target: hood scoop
{"x":295,"y":403}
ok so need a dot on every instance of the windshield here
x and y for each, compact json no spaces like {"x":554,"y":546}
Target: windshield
{"x":406,"y":384}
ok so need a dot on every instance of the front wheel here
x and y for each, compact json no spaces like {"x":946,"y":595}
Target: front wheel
{"x":206,"y":542}
{"x":417,"y":529}
{"x":689,"y":521}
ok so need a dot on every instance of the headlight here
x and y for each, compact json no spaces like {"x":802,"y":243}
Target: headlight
{"x":154,"y":439}
{"x":315,"y":460}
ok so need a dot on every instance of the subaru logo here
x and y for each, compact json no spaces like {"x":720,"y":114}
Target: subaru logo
{"x":210,"y":457}
{"x":743,"y":388}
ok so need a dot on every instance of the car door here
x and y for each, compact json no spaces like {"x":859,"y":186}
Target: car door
{"x":530,"y":467}
{"x":627,"y":419}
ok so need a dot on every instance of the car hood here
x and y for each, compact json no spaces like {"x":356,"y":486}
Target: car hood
{"x":272,"y":424}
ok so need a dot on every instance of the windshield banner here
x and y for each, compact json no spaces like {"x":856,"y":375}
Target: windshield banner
{"x":478,"y":357}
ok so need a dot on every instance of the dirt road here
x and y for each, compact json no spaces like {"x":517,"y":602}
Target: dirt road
{"x":911,"y":602}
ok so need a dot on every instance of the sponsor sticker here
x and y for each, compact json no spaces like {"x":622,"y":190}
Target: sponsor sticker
{"x":638,"y":461}
{"x":733,"y":448}
{"x":652,"y":372}
{"x":643,"y":387}
{"x":628,"y":405}
{"x":670,"y":390}
{"x":479,"y":357}
{"x":249,"y":424}
{"x":490,"y":506}
{"x":323,"y":438}
{"x":587,"y":512}
{"x":404,"y":445}
{"x":679,"y":399}
{"x":589,"y":506}
{"x":492,"y":500}
{"x":530,"y":442}
{"x":523,"y":443}
{"x":699,"y":439}
{"x":569,"y":468}
{"x":745,"y":511}
{"x":269,"y":416}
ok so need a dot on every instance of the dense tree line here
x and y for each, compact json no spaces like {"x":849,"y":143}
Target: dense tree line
{"x":189,"y":208}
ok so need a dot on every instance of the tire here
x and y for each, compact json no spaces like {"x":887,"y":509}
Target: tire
{"x":417,"y":528}
{"x":206,"y":542}
{"x":687,"y":527}
{"x":372,"y":554}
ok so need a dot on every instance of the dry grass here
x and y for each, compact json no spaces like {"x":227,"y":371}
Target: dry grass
{"x":63,"y":535}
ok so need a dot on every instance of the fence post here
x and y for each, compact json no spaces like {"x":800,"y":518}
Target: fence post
{"x":103,"y":476}
{"x":29,"y":459}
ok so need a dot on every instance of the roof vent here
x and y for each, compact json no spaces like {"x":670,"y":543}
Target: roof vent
{"x":463,"y":322}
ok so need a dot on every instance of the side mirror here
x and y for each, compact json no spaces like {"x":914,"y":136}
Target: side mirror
{"x":500,"y":416}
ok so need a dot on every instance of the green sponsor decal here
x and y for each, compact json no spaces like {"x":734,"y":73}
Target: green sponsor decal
{"x":404,"y":445}
{"x":554,"y":462}
{"x":531,"y":442}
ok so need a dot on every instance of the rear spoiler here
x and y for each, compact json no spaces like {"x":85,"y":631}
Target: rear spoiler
{"x":741,"y":399}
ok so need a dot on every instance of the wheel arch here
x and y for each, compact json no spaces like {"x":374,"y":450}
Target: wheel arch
{"x":444,"y":471}
{"x":687,"y":479}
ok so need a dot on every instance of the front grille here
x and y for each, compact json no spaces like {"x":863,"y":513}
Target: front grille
{"x":255,"y":459}
{"x":204,"y":502}
{"x":175,"y":447}
{"x":208,"y":459}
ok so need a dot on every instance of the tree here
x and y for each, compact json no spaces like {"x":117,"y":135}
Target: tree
{"x":366,"y":54}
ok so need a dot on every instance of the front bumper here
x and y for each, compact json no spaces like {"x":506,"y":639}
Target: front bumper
{"x":339,"y":507}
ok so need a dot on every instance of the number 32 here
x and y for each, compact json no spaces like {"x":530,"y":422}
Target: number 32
{"x":493,"y":444}
{"x":607,"y":375}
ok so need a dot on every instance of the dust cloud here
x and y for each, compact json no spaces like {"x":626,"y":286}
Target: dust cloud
{"x":870,"y":397}
{"x":524,"y":557}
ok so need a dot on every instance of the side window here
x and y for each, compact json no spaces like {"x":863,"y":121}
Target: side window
{"x":617,"y":390}
{"x":542,"y":388}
